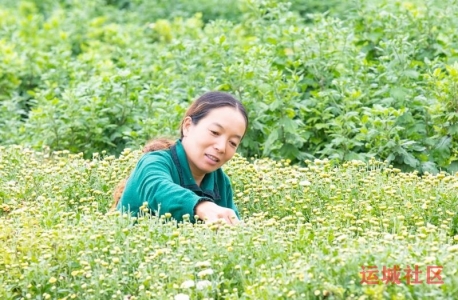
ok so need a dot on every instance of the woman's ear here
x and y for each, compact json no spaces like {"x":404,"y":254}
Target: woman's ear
{"x":187,"y":122}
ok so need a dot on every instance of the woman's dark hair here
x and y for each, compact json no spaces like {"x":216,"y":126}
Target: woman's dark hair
{"x":210,"y":101}
{"x":158,"y":144}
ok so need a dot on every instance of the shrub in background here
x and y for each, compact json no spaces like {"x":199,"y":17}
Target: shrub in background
{"x":376,"y":81}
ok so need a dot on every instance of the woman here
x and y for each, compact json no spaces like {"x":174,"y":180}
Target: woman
{"x":186,"y":178}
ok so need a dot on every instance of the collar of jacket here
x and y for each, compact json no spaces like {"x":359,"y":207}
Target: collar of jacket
{"x":209,"y":186}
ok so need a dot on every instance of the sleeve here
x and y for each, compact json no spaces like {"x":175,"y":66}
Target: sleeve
{"x":152,"y":182}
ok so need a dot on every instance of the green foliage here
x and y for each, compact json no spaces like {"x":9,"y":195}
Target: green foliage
{"x":365,"y":79}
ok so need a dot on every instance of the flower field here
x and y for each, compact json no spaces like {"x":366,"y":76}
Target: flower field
{"x":350,"y":231}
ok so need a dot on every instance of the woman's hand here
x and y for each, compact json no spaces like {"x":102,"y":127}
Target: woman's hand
{"x":211,"y":212}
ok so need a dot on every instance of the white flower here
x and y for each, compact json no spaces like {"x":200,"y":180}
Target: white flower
{"x":203,"y":264}
{"x":203,"y":284}
{"x":205,"y":272}
{"x":304,"y":183}
{"x":388,"y":236}
{"x":187,"y":284}
{"x":181,"y":297}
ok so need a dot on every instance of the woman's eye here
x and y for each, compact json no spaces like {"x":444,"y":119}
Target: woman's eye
{"x":214,"y":132}
{"x":233,"y":144}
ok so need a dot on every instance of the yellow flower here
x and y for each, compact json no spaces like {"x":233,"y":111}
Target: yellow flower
{"x":52,"y":280}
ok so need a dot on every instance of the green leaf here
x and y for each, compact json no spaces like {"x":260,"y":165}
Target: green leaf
{"x":288,"y":124}
{"x":412,"y":74}
{"x":430,"y":167}
{"x":453,"y":167}
{"x":271,"y":139}
{"x":453,"y":129}
{"x":398,"y":93}
{"x":442,"y":149}
{"x":354,"y":156}
{"x":410,"y":160}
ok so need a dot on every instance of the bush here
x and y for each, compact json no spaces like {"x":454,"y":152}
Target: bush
{"x":375,"y":82}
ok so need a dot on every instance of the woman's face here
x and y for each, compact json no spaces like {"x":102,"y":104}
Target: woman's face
{"x":211,"y":142}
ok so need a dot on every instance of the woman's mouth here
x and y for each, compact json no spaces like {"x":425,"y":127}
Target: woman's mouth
{"x":212,"y":158}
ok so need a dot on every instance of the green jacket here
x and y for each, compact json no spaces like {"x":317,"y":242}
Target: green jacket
{"x":163,"y":180}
